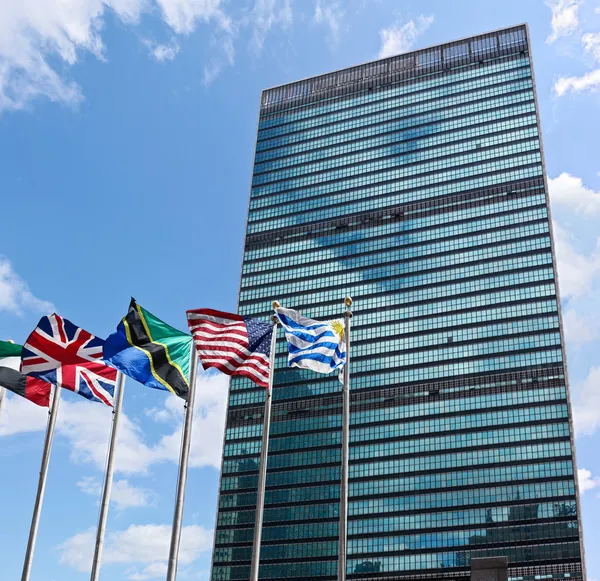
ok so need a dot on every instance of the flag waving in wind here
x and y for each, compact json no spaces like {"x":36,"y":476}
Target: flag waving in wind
{"x":232,"y":344}
{"x":150,"y":351}
{"x":66,"y":355}
{"x":315,"y":345}
{"x":31,"y":388}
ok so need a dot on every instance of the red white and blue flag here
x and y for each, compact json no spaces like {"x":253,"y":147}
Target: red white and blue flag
{"x":68,"y":356}
{"x":232,"y":344}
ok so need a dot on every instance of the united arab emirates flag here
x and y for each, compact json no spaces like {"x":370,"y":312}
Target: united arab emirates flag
{"x":31,"y":388}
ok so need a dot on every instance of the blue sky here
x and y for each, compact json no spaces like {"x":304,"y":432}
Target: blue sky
{"x":126,"y":144}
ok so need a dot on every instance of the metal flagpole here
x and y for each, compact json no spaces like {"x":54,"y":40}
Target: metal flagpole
{"x":35,"y":520}
{"x":108,"y":478}
{"x":183,"y":466}
{"x":342,"y":548}
{"x":262,"y":470}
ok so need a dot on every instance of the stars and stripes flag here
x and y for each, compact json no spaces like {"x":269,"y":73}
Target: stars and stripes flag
{"x":233,"y":344}
{"x":68,"y":356}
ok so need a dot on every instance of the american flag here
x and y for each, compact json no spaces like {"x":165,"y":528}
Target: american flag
{"x":67,"y":356}
{"x":232,"y":344}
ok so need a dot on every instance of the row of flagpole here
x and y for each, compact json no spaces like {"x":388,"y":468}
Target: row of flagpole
{"x":108,"y":479}
{"x":184,"y":459}
{"x":262,"y":470}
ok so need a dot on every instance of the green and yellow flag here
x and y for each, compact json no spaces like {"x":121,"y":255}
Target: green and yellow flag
{"x":150,"y":351}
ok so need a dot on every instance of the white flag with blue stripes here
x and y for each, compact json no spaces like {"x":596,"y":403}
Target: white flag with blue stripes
{"x":315,"y":345}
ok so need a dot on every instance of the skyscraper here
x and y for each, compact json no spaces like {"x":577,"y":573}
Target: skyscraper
{"x":416,"y":185}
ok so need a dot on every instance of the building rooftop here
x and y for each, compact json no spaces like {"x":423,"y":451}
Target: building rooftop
{"x":397,"y":68}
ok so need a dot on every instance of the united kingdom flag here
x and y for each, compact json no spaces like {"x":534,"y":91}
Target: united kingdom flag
{"x":70,"y":357}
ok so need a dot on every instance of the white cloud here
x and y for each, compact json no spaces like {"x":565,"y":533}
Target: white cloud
{"x":20,"y":416}
{"x":569,"y":191}
{"x":33,"y":33}
{"x":591,"y":44}
{"x":208,"y":426}
{"x":586,"y":403}
{"x":15,"y":295}
{"x":39,"y":37}
{"x":398,"y":39}
{"x":217,"y":63}
{"x":145,"y":546}
{"x":586,"y":480}
{"x":87,"y":426}
{"x":565,"y":18}
{"x":331,"y":15}
{"x":150,"y":572}
{"x":578,"y":331}
{"x":123,"y":494}
{"x":576,"y":272}
{"x":183,"y":15}
{"x":162,"y":52}
{"x":265,"y":15}
{"x":589,"y":81}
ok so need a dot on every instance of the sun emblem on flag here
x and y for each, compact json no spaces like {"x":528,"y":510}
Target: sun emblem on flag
{"x":338,"y":328}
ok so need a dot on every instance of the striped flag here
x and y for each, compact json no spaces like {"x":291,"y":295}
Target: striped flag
{"x":31,"y":388}
{"x":315,"y":345}
{"x":232,"y":344}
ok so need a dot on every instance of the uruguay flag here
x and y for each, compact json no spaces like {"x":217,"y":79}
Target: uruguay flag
{"x":315,"y":345}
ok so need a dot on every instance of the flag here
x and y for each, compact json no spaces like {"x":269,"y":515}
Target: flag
{"x":150,"y":351}
{"x":315,"y":345}
{"x":67,"y":356}
{"x":232,"y":344}
{"x":31,"y":388}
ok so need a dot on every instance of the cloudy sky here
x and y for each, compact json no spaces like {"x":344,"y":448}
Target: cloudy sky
{"x":126,"y":143}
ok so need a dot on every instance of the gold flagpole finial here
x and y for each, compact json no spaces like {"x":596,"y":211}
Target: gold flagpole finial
{"x":276,"y":305}
{"x":9,"y":341}
{"x":348,"y":301}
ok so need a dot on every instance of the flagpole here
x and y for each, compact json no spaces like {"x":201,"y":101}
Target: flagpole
{"x":264,"y":451}
{"x":35,"y":520}
{"x":342,"y":547}
{"x":108,"y":478}
{"x":183,"y":466}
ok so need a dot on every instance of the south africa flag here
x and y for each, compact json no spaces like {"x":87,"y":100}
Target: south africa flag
{"x":31,"y":388}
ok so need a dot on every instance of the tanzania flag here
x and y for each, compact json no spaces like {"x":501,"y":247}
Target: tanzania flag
{"x":31,"y":388}
{"x":150,"y":351}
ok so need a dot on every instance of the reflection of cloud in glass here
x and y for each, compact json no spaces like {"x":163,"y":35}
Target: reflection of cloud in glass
{"x":407,"y":151}
{"x":403,"y":152}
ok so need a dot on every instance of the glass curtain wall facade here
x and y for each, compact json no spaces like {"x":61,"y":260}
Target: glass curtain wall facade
{"x":416,"y":185}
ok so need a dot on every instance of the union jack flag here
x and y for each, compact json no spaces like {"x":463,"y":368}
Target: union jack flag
{"x":70,"y":357}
